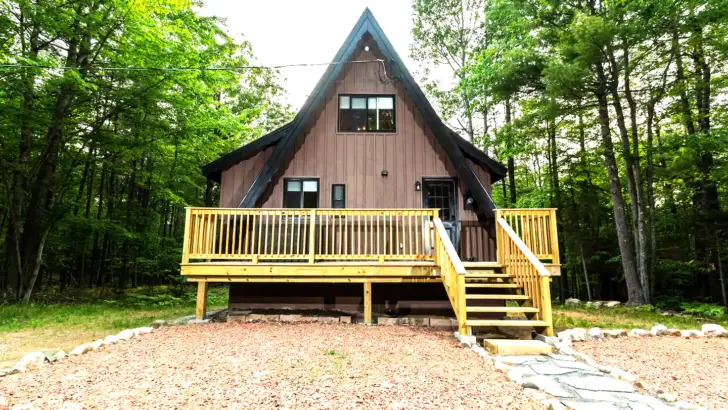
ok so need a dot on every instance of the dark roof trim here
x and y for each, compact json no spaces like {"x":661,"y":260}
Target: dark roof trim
{"x":497,"y":170}
{"x":214,"y":169}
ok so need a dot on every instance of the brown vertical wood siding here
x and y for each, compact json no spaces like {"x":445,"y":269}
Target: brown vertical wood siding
{"x":358,"y":159}
{"x":235,"y":181}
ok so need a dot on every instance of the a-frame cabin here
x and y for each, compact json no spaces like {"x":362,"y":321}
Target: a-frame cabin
{"x":368,"y":201}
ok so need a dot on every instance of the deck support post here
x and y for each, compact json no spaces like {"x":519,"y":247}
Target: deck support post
{"x":368,"y":303}
{"x":201,"y":308}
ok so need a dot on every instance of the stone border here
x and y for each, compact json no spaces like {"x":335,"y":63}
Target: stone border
{"x":564,"y":342}
{"x":38,"y":359}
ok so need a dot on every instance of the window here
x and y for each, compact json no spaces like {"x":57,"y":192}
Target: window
{"x":366,"y":113}
{"x":338,"y":196}
{"x":300,"y":193}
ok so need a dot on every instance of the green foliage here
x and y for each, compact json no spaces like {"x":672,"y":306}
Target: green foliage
{"x":131,"y":141}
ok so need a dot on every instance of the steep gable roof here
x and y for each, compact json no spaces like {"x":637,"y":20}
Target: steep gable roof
{"x":456,"y":148}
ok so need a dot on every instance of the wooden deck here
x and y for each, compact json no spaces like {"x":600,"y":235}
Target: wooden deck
{"x":376,"y":246}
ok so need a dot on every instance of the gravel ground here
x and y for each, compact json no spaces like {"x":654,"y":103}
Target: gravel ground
{"x":256,"y":365}
{"x":695,"y":369}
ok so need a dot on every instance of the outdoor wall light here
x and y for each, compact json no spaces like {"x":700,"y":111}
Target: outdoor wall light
{"x":418,"y":186}
{"x":384,"y":173}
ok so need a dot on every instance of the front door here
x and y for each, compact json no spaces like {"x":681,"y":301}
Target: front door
{"x":442,"y":193}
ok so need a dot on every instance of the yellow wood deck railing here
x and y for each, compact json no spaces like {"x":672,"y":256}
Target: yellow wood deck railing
{"x":452,"y":272}
{"x":537,"y":230}
{"x":308,"y":234}
{"x":519,"y":261}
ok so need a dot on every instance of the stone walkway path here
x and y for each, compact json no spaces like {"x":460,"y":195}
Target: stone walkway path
{"x":577,"y":385}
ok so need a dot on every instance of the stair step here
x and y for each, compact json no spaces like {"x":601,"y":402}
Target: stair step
{"x":498,"y":309}
{"x":509,"y":297}
{"x":510,"y":323}
{"x":471,"y":275}
{"x":482,"y":265}
{"x":493,"y":285}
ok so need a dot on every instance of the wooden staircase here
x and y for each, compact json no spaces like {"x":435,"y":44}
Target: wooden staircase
{"x":492,"y":298}
{"x":489,"y":294}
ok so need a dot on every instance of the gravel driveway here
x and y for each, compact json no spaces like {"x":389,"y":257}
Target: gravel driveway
{"x":256,"y":365}
{"x":695,"y":369}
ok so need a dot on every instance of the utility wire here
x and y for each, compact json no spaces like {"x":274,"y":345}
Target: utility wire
{"x":230,"y":68}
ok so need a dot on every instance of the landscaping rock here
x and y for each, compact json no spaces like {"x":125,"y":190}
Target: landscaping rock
{"x":550,"y":340}
{"x":614,"y":333}
{"x":29,"y":360}
{"x":565,"y":335}
{"x":623,"y":375}
{"x":344,"y":319}
{"x":142,"y":330}
{"x":8,"y":371}
{"x":595,"y":333}
{"x":562,"y":344}
{"x":440,"y":323}
{"x":206,"y":321}
{"x":658,"y":330}
{"x":96,"y":345}
{"x":671,"y":332}
{"x":668,"y":397}
{"x":290,"y":318}
{"x":595,"y":304}
{"x":638,"y":333}
{"x":110,"y":340}
{"x":79,"y":350}
{"x":612,"y":304}
{"x":159,"y":323}
{"x":691,"y":333}
{"x":418,"y":321}
{"x":335,"y":319}
{"x":712,"y":330}
{"x":578,"y":334}
{"x":572,"y":302}
{"x":125,"y":334}
{"x":253,"y":317}
{"x":60,"y":355}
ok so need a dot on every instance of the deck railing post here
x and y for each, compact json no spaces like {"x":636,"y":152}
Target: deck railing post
{"x":186,"y":239}
{"x":312,"y":237}
{"x":556,"y":259}
{"x":462,"y":311}
{"x":546,"y":314}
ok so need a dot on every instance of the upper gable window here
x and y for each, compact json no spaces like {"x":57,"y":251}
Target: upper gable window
{"x":366,"y":113}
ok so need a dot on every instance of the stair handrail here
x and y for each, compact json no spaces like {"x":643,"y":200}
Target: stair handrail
{"x":449,"y":248}
{"x":452,"y":272}
{"x":536,"y":286}
{"x":540,"y":268}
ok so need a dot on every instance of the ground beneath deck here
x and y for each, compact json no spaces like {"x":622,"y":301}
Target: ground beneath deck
{"x":244,"y":365}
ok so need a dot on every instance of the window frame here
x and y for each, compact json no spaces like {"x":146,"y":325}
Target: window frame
{"x":302,"y":179}
{"x":366,"y":97}
{"x":333,"y":201}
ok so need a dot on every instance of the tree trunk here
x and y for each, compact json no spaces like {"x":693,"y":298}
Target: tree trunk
{"x":511,"y":161}
{"x":634,"y":291}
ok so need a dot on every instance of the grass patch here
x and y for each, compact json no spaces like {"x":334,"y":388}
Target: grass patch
{"x":628,"y":318}
{"x":50,"y":326}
